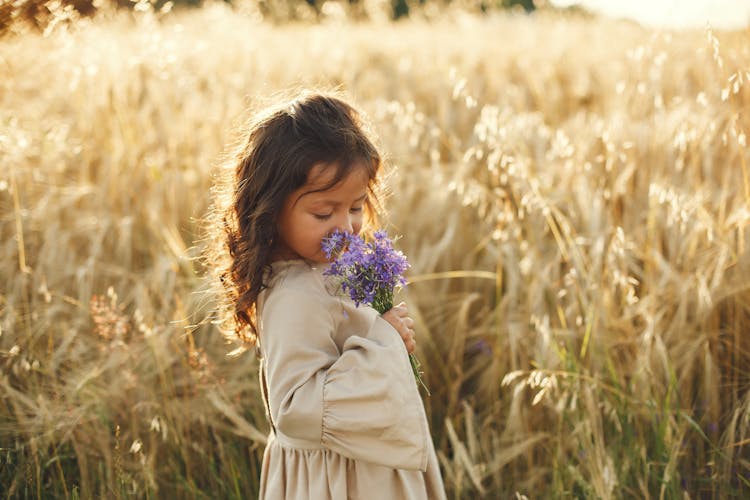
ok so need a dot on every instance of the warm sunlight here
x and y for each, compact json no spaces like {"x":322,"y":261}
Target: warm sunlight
{"x":217,"y":274}
{"x":723,"y":14}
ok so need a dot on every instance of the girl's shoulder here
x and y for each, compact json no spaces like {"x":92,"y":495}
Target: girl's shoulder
{"x":298,"y":289}
{"x":300,"y":278}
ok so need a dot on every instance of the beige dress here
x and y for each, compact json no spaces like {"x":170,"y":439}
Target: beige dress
{"x":347,"y":417}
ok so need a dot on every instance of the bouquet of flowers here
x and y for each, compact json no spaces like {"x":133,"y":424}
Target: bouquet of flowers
{"x":369,"y":272}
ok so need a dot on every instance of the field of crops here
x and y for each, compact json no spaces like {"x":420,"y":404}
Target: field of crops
{"x":572,"y":193}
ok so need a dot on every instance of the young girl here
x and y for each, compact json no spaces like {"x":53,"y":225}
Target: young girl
{"x":346,"y":417}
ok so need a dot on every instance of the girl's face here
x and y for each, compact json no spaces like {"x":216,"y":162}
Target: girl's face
{"x":308,"y":217}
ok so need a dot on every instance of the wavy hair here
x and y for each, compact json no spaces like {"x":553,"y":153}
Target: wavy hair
{"x":276,"y":151}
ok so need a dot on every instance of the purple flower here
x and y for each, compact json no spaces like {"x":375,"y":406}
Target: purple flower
{"x":369,"y":271}
{"x":334,"y":243}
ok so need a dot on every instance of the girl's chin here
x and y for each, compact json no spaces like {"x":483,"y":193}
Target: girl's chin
{"x":320,"y":259}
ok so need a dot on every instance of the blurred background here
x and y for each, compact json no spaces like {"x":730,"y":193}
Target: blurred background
{"x":570,"y":181}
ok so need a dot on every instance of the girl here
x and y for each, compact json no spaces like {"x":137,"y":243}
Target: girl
{"x":346,"y":417}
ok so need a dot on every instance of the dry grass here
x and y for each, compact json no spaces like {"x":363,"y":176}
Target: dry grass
{"x":573,"y":196}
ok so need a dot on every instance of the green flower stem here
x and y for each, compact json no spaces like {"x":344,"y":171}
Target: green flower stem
{"x":416,"y":368}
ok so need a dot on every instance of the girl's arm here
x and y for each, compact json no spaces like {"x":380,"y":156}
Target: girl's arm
{"x":361,"y":402}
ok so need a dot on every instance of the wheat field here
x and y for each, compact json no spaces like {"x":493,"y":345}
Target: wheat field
{"x":572,"y":194}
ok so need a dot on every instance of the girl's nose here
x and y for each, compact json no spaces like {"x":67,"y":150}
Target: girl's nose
{"x":346,"y":223}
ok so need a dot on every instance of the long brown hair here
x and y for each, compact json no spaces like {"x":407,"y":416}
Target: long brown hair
{"x":277,"y":150}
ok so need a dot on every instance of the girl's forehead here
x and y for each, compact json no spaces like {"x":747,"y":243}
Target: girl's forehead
{"x":321,"y":175}
{"x":318,"y":186}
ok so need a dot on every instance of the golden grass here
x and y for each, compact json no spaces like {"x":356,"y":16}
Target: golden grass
{"x":573,"y":197}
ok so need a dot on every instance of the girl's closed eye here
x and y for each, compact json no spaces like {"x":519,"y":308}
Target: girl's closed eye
{"x":328,"y":215}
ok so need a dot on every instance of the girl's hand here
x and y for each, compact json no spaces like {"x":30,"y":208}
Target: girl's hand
{"x":398,"y":317}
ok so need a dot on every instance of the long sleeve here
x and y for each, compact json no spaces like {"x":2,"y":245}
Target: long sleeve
{"x":356,"y":397}
{"x":372,"y":408}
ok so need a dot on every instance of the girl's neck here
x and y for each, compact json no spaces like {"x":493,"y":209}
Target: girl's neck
{"x":283,"y":253}
{"x":285,"y":257}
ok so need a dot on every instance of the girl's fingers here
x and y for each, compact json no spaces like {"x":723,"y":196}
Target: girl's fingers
{"x":407,"y":333}
{"x":409,"y":339}
{"x":406,"y":325}
{"x":411,"y":345}
{"x":398,"y":317}
{"x":401,"y":310}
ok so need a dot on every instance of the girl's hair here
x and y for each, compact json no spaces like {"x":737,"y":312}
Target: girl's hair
{"x":277,"y":150}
